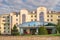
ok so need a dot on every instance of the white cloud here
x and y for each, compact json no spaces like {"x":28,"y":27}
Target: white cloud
{"x":16,"y":5}
{"x":1,"y":0}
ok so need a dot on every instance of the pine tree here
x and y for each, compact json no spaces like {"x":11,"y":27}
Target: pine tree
{"x":14,"y":31}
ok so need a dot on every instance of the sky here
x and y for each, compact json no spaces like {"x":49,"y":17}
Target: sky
{"x":7,"y":6}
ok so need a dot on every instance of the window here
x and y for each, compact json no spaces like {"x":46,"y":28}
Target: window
{"x":23,"y":18}
{"x":35,"y":20}
{"x":47,"y":19}
{"x":16,"y":23}
{"x":16,"y":14}
{"x":51,"y":16}
{"x":8,"y":20}
{"x":4,"y":27}
{"x":31,"y":19}
{"x":4,"y":24}
{"x":8,"y":27}
{"x":58,"y":20}
{"x":35,"y":15}
{"x":0,"y":27}
{"x":8,"y":24}
{"x":58,"y":16}
{"x":8,"y":31}
{"x":4,"y":16}
{"x":0,"y":31}
{"x":47,"y":15}
{"x":4,"y":31}
{"x":7,"y":16}
{"x":51,"y":19}
{"x":4,"y":20}
{"x":31,"y":15}
{"x":16,"y":19}
{"x":41,"y":16}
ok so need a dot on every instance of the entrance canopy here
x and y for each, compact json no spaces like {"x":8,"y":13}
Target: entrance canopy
{"x":32,"y":24}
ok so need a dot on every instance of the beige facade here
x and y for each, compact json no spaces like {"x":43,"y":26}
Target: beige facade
{"x":7,"y":21}
{"x":5,"y":24}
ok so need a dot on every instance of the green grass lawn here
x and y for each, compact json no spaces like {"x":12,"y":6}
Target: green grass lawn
{"x":43,"y":35}
{"x":55,"y":34}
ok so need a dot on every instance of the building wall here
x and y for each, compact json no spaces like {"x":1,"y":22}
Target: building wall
{"x":25,"y":12}
{"x":53,"y":18}
{"x":5,"y":24}
{"x":39,"y":10}
{"x":16,"y":18}
{"x":32,"y":17}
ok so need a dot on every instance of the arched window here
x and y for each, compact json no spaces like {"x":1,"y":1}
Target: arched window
{"x":41,"y":16}
{"x":23,"y":18}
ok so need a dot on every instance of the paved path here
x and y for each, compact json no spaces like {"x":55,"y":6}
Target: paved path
{"x":29,"y":38}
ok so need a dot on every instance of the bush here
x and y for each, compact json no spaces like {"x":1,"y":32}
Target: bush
{"x":42,"y":31}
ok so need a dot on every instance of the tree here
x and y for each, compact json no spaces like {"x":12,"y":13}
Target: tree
{"x":14,"y":31}
{"x":42,"y":31}
{"x":58,"y":27}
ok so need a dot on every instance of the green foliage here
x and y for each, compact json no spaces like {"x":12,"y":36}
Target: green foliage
{"x":42,"y":31}
{"x":58,"y":28}
{"x":14,"y":31}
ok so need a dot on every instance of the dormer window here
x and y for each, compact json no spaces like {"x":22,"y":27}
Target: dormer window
{"x":4,"y":16}
{"x":16,"y":14}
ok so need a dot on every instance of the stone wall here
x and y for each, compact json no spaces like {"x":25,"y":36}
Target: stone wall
{"x":29,"y":38}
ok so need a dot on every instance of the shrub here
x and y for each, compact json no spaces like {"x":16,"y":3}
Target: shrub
{"x":42,"y":31}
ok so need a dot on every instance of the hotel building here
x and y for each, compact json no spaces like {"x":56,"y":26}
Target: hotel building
{"x":42,"y":14}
